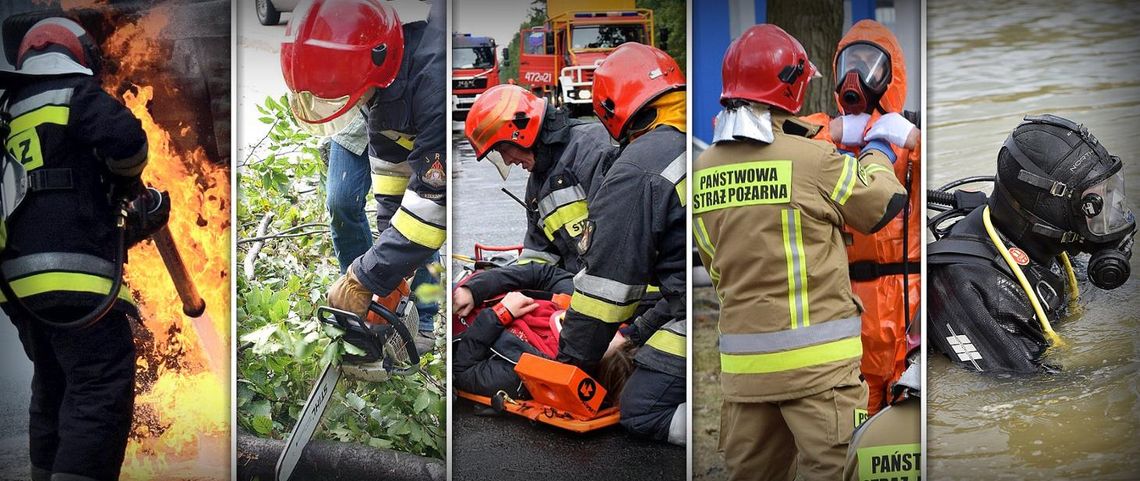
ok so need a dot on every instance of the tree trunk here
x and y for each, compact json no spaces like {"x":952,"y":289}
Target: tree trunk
{"x":333,"y":461}
{"x":818,"y":25}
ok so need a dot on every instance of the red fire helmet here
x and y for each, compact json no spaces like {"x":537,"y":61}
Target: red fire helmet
{"x":504,"y":113}
{"x":335,"y":51}
{"x":769,"y":66}
{"x":631,"y":77}
{"x":79,"y":52}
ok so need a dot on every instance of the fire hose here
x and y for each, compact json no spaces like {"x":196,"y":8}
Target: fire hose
{"x":149,"y":200}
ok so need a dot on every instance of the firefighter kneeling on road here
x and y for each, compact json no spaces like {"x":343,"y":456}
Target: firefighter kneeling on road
{"x":66,"y":242}
{"x":770,"y":205}
{"x":635,"y":236}
{"x":345,"y":55}
{"x":566,"y":158}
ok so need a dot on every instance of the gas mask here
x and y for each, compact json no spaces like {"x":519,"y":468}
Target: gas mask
{"x":862,"y":73}
{"x":1069,"y":191}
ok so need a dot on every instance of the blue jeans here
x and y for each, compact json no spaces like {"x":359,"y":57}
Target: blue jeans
{"x":349,"y":186}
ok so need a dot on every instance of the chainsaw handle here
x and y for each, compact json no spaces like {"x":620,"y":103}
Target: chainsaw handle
{"x":340,"y":318}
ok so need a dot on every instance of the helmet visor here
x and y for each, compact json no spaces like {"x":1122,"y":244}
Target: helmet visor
{"x":318,"y":115}
{"x":1105,"y":207}
{"x":495,"y":158}
{"x":871,"y":62}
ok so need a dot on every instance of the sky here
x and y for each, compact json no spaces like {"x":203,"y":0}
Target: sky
{"x":501,"y":22}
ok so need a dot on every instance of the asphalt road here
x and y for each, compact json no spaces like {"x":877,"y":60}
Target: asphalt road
{"x":508,"y":447}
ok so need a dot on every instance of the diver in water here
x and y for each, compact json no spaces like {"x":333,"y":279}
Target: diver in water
{"x":1003,"y":272}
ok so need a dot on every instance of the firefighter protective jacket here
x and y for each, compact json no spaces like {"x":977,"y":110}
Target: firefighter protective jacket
{"x":768,"y":220}
{"x":411,"y":107}
{"x":75,"y":141}
{"x":635,"y":236}
{"x":979,"y":315}
{"x":571,"y":158}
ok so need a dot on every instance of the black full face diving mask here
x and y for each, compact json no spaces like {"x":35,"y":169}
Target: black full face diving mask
{"x":862,"y":73}
{"x":1073,"y":196}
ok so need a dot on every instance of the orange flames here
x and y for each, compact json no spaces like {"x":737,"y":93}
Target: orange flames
{"x":182,"y":409}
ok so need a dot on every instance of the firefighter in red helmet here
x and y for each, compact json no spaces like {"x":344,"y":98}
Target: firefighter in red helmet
{"x":566,"y":158}
{"x":635,"y":236}
{"x":341,"y":56}
{"x":769,"y":207}
{"x":62,"y":259}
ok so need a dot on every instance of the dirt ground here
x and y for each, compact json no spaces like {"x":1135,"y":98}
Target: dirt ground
{"x":708,"y":464}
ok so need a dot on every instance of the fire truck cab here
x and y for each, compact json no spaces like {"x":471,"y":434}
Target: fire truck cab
{"x":557,"y":59}
{"x":474,"y":69}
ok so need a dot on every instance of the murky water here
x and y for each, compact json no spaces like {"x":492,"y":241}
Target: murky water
{"x":989,"y":64}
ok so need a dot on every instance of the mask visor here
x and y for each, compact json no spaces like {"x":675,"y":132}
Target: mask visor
{"x":320,"y":116}
{"x":495,"y":158}
{"x":1112,"y":215}
{"x":871,"y":63}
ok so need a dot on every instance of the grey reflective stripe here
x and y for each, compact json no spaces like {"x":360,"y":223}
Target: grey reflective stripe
{"x":424,"y":209}
{"x":847,"y":182}
{"x":51,"y":97}
{"x":676,"y":326}
{"x":607,"y":289}
{"x":540,"y":256}
{"x":129,"y":166}
{"x":57,"y":262}
{"x":381,"y":166}
{"x":675,"y":171}
{"x":791,"y":338}
{"x":559,"y":198}
{"x":797,"y":267}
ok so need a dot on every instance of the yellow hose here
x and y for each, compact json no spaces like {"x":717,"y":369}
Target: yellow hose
{"x":1074,"y":290}
{"x":463,"y":258}
{"x":1041,"y":317}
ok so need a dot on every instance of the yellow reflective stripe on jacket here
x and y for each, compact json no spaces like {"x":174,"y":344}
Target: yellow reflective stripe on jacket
{"x":667,"y":341}
{"x":681,"y":191}
{"x":570,"y":216}
{"x":64,"y":281}
{"x":846,"y":184}
{"x":48,"y":114}
{"x":528,"y":256}
{"x":388,"y":184}
{"x":418,"y":231}
{"x":742,"y":184}
{"x":793,"y":359}
{"x":797,"y":269}
{"x":705,"y":245}
{"x":871,"y":168}
{"x":602,"y":310}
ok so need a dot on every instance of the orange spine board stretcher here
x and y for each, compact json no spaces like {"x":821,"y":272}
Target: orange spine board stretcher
{"x":564,"y":396}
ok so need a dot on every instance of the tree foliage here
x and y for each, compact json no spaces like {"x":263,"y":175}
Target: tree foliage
{"x":535,"y":17}
{"x":283,"y":348}
{"x":669,"y":16}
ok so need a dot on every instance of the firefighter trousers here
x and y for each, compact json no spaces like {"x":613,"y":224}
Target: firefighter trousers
{"x":82,"y":394}
{"x":761,"y":441}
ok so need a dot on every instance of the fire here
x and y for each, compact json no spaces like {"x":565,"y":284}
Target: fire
{"x":182,"y":410}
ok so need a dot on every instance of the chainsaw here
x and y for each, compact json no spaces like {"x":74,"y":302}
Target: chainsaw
{"x":388,"y":350}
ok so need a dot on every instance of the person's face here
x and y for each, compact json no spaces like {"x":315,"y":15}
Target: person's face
{"x":515,"y":155}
